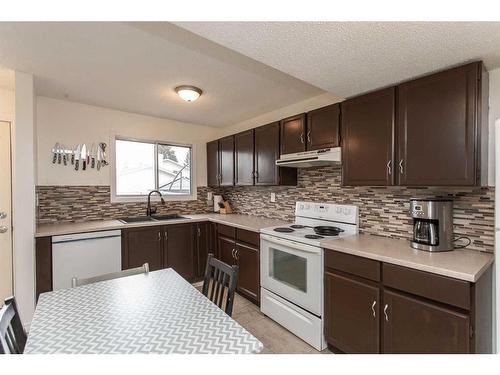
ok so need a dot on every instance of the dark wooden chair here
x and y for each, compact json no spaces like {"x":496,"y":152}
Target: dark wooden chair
{"x":12,"y":335}
{"x":219,"y":283}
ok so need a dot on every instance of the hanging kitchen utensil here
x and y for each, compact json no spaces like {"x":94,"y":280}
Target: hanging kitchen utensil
{"x":84,"y":156}
{"x":59,"y":154}
{"x":54,"y":153}
{"x":92,"y":156}
{"x":77,"y":155}
{"x":104,"y":162}
{"x":99,"y":157}
{"x":64,"y":155}
{"x":73,"y":152}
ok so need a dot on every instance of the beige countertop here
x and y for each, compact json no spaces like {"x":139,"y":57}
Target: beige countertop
{"x":248,"y":222}
{"x":465,"y":265}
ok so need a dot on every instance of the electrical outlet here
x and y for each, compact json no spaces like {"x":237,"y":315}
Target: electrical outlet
{"x":273,"y":197}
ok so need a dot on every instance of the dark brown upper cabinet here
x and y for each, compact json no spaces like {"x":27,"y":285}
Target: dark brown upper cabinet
{"x":439,"y":125}
{"x":368,"y":139}
{"x":213,"y":163}
{"x":226,"y":166}
{"x":244,"y":158}
{"x":267,"y":151}
{"x":293,"y":134}
{"x":323,"y":127}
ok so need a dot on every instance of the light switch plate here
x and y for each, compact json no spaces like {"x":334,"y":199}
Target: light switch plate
{"x":210,"y":196}
{"x":273,"y":197}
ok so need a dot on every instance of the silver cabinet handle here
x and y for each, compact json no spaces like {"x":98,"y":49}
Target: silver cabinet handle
{"x":199,"y":232}
{"x":3,"y":229}
{"x":373,"y":308}
{"x":389,"y":169}
{"x":3,"y":215}
{"x":236,"y":254}
{"x":385,"y":312}
{"x":166,"y":235}
{"x":301,"y":137}
{"x":232,"y":252}
{"x":401,"y":166}
{"x":309,"y":136}
{"x":159,"y":236}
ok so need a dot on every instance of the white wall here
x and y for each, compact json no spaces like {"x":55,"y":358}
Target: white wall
{"x":6,"y":105}
{"x":494,"y":115}
{"x":23,"y":195}
{"x":73,"y":123}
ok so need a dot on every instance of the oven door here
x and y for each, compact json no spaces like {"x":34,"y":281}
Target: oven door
{"x":292,"y":270}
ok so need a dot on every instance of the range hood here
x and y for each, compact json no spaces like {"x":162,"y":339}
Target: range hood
{"x":326,"y":156}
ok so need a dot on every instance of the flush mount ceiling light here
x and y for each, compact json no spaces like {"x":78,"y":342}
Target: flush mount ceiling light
{"x":188,"y":93}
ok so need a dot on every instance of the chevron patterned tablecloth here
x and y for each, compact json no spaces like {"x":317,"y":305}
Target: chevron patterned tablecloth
{"x":155,"y":313}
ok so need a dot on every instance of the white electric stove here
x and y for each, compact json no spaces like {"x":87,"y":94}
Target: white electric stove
{"x":291,"y":266}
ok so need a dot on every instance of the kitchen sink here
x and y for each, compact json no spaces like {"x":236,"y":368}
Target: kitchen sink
{"x":168,"y":217}
{"x":143,"y":219}
{"x":137,"y":219}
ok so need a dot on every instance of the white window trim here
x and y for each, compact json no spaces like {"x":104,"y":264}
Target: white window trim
{"x":154,"y":198}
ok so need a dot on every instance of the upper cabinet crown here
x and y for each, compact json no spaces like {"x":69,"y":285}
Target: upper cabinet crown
{"x":425,"y":132}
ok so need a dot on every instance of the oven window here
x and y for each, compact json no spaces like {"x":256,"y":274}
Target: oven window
{"x":289,"y":269}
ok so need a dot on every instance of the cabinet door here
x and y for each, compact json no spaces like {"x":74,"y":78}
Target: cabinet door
{"x":179,"y":249}
{"x":248,"y":259}
{"x":323,"y":127}
{"x":142,"y":245}
{"x":437,"y":125}
{"x":244,"y":158}
{"x":213,"y":163}
{"x":226,"y":154}
{"x":267,"y":151}
{"x":414,"y":326}
{"x":212,"y":240}
{"x":202,"y":247}
{"x":293,"y":133}
{"x":351,"y":315}
{"x":368,"y":139}
{"x":226,"y":249}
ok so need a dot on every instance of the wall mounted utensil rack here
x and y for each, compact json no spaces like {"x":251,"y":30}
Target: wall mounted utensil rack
{"x":81,"y":156}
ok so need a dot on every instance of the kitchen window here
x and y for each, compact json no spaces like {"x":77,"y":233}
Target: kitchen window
{"x":143,"y":166}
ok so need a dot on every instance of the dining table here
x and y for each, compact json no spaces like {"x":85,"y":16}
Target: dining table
{"x":156,"y":312}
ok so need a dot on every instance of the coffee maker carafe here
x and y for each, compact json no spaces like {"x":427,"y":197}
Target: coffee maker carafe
{"x":432,"y":224}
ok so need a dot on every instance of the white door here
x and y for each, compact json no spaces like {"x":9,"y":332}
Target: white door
{"x":5,"y":213}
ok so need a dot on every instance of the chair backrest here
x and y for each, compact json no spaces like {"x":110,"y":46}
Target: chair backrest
{"x":219,"y":283}
{"x":109,"y":276}
{"x":12,"y":335}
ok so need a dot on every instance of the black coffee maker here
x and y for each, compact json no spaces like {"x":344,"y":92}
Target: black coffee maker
{"x":432,"y":224}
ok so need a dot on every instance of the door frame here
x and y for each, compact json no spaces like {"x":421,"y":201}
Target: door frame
{"x":9,"y":125}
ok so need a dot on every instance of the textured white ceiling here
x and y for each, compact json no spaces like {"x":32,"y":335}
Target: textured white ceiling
{"x":348,"y":58}
{"x":135,"y":67}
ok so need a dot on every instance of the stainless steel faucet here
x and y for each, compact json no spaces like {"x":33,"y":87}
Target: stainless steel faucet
{"x":150,"y":211}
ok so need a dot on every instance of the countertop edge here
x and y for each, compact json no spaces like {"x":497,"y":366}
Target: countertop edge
{"x":414,"y":265}
{"x":196,"y":218}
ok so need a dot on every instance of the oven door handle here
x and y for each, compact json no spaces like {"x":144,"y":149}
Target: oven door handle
{"x":291,"y":244}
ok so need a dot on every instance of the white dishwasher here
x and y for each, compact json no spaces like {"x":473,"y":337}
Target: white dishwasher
{"x":84,"y":255}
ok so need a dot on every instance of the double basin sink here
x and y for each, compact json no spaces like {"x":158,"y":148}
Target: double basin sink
{"x":144,"y":219}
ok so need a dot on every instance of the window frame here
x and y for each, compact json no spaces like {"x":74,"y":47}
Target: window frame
{"x":115,"y":198}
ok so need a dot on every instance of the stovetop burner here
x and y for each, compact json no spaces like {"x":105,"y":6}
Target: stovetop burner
{"x":313,"y":237}
{"x":325,"y":230}
{"x":283,"y":230}
{"x":297,"y":226}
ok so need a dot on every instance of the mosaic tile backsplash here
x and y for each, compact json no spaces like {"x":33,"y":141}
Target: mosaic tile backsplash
{"x":383,"y":210}
{"x":86,"y":203}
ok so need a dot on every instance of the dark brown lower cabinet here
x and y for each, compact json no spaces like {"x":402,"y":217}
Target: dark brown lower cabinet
{"x":241,"y":247}
{"x":403,"y":310}
{"x":415,"y":326}
{"x":352,"y":311}
{"x":178,"y":249}
{"x":142,"y":245}
{"x":43,"y":264}
{"x":201,"y":247}
{"x":248,"y":260}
